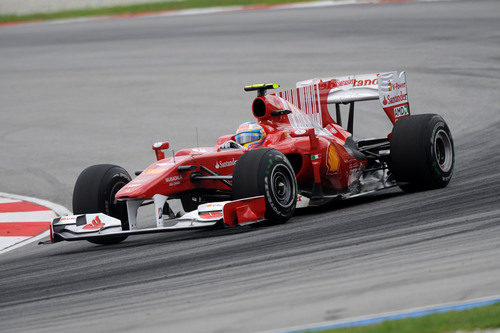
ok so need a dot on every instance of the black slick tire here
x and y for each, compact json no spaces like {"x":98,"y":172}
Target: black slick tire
{"x":95,"y":191}
{"x":422,"y":152}
{"x":267,"y":172}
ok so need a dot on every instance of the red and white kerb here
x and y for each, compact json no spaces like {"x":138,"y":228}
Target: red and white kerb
{"x":21,"y":220}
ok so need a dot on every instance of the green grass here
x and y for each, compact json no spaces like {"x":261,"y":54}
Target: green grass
{"x":139,"y":8}
{"x":487,"y":317}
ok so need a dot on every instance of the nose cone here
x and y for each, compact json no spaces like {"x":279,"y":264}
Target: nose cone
{"x":161,"y":177}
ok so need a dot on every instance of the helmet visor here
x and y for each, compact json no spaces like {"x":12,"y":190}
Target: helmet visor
{"x":244,"y":138}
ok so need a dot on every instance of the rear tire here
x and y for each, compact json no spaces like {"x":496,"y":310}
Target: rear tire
{"x":422,"y":152}
{"x":95,"y":191}
{"x":267,"y":172}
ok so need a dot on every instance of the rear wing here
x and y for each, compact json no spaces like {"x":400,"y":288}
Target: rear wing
{"x":312,"y":96}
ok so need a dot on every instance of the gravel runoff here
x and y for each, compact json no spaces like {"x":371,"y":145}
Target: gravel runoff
{"x":48,"y":6}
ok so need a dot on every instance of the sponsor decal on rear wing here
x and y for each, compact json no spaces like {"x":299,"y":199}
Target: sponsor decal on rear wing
{"x":347,"y":89}
{"x":393,"y":95}
{"x":389,"y":88}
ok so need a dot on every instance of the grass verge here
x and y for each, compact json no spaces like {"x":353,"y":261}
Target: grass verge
{"x":140,"y":8}
{"x":486,"y":317}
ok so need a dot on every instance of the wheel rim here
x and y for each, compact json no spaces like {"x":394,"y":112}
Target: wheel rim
{"x":443,"y":151}
{"x":117,"y":208}
{"x":114,"y":189}
{"x":283,"y":191}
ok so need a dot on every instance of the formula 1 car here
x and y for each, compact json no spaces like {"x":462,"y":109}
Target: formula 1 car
{"x":305,"y":159}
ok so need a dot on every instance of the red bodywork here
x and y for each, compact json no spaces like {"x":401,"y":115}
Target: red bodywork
{"x":308,"y":136}
{"x":327,"y":162}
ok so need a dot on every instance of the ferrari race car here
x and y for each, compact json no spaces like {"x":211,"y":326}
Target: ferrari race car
{"x":295,"y":155}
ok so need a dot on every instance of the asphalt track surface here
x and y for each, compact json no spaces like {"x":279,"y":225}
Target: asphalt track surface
{"x":78,"y":94}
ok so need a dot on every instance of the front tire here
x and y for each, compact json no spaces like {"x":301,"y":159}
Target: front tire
{"x":422,"y":152}
{"x":267,"y":172}
{"x":95,"y":191}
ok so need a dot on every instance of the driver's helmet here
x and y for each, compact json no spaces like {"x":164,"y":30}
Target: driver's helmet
{"x":250,"y":135}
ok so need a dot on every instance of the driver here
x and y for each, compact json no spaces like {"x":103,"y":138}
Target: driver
{"x":250,"y":135}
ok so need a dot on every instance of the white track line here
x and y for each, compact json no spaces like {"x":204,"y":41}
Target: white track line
{"x":27,"y":241}
{"x":33,"y":216}
{"x":7,"y":200}
{"x":9,"y":241}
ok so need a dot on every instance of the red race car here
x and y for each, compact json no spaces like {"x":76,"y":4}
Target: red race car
{"x":294,"y":155}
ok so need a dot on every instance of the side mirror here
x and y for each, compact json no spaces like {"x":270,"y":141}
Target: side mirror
{"x":159,"y":147}
{"x":313,"y":139}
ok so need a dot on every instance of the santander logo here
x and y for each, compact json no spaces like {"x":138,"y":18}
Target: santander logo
{"x":395,"y":99}
{"x":225,"y":164}
{"x":352,"y":81}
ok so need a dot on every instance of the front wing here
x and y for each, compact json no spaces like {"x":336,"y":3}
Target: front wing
{"x":98,"y":225}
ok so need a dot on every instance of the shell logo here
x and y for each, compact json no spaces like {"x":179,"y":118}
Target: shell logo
{"x":332,"y":160}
